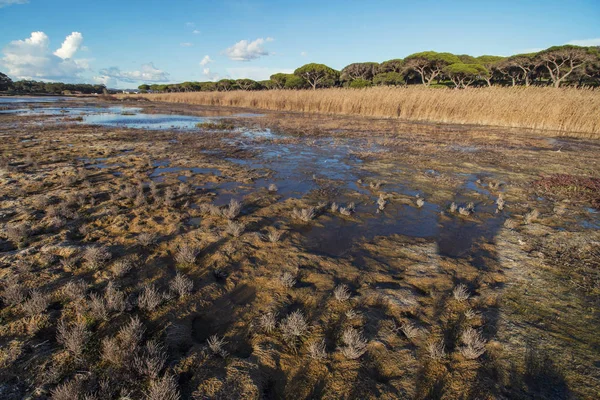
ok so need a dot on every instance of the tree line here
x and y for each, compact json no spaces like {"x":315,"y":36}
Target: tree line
{"x":38,"y":87}
{"x":555,"y":66}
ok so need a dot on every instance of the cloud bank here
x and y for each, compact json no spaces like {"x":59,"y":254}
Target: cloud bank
{"x":246,"y":51}
{"x":148,"y":73}
{"x":6,"y":3}
{"x":32,"y":58}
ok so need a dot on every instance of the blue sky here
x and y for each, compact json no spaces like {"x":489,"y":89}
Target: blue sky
{"x":128,"y":42}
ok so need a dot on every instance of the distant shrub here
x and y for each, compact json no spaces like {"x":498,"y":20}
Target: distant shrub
{"x":232,"y":210}
{"x":354,"y":344}
{"x":235,"y":229}
{"x":473,"y":344}
{"x":267,"y":322}
{"x":341,"y":293}
{"x":96,"y":256}
{"x":73,"y":336}
{"x":287,"y":279}
{"x":186,"y":255}
{"x":215,"y":345}
{"x":436,"y":349}
{"x":13,"y":292}
{"x":181,"y":285}
{"x":305,"y":214}
{"x":37,"y":303}
{"x":460,"y":293}
{"x":17,"y":233}
{"x":150,"y":361}
{"x":146,"y":239}
{"x":150,"y":298}
{"x":293,"y":327}
{"x":316,"y":349}
{"x":360,"y":83}
{"x":164,"y":388}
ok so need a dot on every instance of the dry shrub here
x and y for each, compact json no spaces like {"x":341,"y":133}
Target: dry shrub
{"x":341,"y":293}
{"x":164,"y":388}
{"x":150,"y":298}
{"x":150,"y":361}
{"x":305,"y":214}
{"x":115,"y":299}
{"x":73,"y":336}
{"x":232,"y":210}
{"x":267,"y":322}
{"x":460,"y":293}
{"x":274,"y":235}
{"x":70,"y":390}
{"x":410,"y":330}
{"x":17,"y":233}
{"x":181,"y":285}
{"x":294,"y":327}
{"x":287,"y":279}
{"x":474,"y":344}
{"x":186,"y":255}
{"x":354,"y":344}
{"x":36,"y":304}
{"x":122,"y":267}
{"x":215,"y":345}
{"x":436,"y":349}
{"x":531,"y":216}
{"x":97,"y":307}
{"x":573,"y":112}
{"x":96,"y":256}
{"x":119,"y":350}
{"x":146,"y":239}
{"x":235,"y":229}
{"x":74,"y":290}
{"x":316,"y":349}
{"x":13,"y":292}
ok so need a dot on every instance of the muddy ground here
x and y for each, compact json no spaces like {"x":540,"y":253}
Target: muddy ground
{"x":284,"y":255}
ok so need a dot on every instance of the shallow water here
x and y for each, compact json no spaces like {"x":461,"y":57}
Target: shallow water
{"x":301,"y":167}
{"x":25,"y":99}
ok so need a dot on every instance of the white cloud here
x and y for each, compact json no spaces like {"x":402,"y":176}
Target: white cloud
{"x":206,"y":60}
{"x":246,"y":51}
{"x":303,"y":53}
{"x":196,"y":32}
{"x":32,"y":58}
{"x":190,"y":24}
{"x":256,"y":73}
{"x":148,"y":73}
{"x":5,"y":3}
{"x":586,"y":42}
{"x":186,"y":44}
{"x":70,"y":46}
{"x":211,"y":76}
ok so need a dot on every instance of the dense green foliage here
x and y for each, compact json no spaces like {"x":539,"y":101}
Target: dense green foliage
{"x":555,"y":66}
{"x":572,"y":65}
{"x":36,"y":87}
{"x":5,"y":82}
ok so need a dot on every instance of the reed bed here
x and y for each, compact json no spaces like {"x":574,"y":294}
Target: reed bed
{"x":567,"y":111}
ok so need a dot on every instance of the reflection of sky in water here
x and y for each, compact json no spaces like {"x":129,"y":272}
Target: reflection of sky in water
{"x":17,"y":99}
{"x":144,"y":121}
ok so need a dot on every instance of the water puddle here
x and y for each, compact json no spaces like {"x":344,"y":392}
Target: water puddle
{"x":25,"y":99}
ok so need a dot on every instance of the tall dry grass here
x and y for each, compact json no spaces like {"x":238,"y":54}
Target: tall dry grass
{"x":570,"y":111}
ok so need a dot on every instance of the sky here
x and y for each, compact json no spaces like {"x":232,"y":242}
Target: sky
{"x":126,"y":43}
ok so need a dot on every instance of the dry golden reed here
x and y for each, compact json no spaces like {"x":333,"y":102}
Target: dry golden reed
{"x":570,"y":111}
